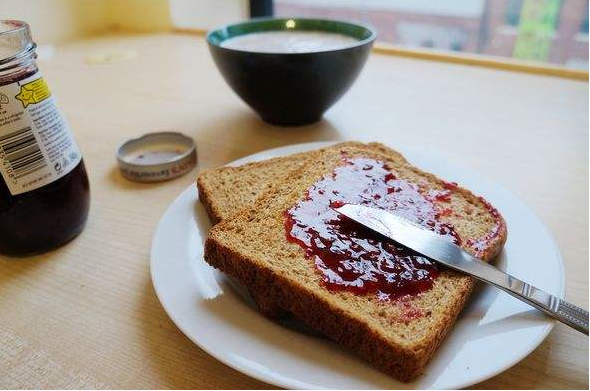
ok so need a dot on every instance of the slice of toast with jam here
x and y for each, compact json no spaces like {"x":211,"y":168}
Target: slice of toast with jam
{"x":386,"y":303}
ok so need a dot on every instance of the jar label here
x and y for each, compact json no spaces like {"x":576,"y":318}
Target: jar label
{"x":36,"y":144}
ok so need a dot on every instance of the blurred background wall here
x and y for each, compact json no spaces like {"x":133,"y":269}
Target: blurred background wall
{"x":55,"y":21}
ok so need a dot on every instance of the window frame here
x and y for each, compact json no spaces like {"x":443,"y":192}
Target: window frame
{"x":260,"y":8}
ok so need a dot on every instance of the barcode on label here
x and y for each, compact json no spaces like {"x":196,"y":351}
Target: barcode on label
{"x":22,"y":152}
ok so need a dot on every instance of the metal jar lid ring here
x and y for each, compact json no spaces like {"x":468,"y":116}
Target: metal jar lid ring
{"x":156,"y":157}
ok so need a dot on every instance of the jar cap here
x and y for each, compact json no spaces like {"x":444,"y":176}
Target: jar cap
{"x":156,"y":157}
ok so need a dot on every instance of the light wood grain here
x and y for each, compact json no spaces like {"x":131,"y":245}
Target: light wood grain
{"x":86,"y":315}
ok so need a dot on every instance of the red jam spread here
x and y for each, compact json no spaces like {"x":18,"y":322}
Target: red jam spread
{"x":352,"y":258}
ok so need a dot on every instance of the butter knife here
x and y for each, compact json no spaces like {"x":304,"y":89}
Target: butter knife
{"x":434,"y":246}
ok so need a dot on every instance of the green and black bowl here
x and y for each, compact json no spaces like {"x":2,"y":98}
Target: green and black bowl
{"x":291,"y":88}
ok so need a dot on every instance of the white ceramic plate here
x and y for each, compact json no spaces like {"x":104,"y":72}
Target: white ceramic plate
{"x":494,"y":332}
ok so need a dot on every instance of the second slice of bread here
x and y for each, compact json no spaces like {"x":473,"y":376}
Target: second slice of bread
{"x":251,"y":246}
{"x":224,"y":191}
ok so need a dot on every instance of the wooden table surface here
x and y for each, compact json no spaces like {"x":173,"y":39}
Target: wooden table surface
{"x":86,"y":315}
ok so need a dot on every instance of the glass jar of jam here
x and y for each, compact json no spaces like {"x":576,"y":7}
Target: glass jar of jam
{"x":44,"y":191}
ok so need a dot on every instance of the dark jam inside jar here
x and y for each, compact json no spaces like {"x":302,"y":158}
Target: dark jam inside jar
{"x":46,"y":217}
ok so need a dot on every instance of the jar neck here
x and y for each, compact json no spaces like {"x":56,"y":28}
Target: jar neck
{"x":18,"y":67}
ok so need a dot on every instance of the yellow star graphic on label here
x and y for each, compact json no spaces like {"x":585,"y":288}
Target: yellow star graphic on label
{"x":33,"y":92}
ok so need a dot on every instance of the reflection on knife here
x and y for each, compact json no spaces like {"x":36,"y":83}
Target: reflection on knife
{"x":432,"y":245}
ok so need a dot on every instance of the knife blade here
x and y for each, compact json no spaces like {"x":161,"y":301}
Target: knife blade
{"x":440,"y":249}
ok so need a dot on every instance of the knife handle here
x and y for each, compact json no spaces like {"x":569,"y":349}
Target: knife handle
{"x":559,"y":309}
{"x":555,"y":307}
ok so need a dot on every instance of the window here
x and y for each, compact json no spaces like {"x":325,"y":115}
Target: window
{"x":540,"y":30}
